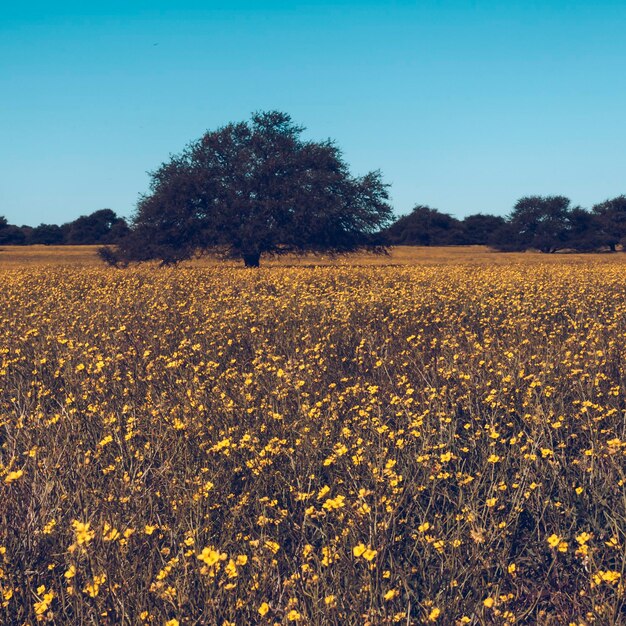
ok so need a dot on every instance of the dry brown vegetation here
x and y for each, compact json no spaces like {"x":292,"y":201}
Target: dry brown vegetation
{"x":27,"y":256}
{"x":440,"y":440}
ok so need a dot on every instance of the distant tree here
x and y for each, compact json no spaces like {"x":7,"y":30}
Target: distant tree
{"x":536,"y":222}
{"x":119,"y":229}
{"x":46,"y":234}
{"x":478,"y":229}
{"x":611,"y":218}
{"x":10,"y":235}
{"x":505,"y":239}
{"x":255,"y":188}
{"x":583,"y":231}
{"x":27,"y":230}
{"x":425,"y":226}
{"x":96,"y":228}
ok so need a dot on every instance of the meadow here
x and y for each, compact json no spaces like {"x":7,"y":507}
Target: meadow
{"x":437,"y":436}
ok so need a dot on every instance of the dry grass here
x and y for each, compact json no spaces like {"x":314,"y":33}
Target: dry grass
{"x":436,"y":443}
{"x":86,"y":256}
{"x":16,"y":257}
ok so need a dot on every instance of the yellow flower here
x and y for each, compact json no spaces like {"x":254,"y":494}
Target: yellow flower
{"x":608,"y":576}
{"x":583,"y":538}
{"x":359,"y":550}
{"x":13,"y":476}
{"x":553,"y":540}
{"x":92,"y":589}
{"x":172,"y":622}
{"x":334,"y":503}
{"x":272,"y":546}
{"x":323,"y":491}
{"x":264,"y":608}
{"x":391,"y":594}
{"x":209,"y":556}
{"x":293,"y":615}
{"x":489,"y":602}
{"x":369,"y":554}
{"x":109,"y":533}
{"x":434,"y":615}
{"x":83,"y":532}
{"x":49,"y":527}
{"x":44,"y":604}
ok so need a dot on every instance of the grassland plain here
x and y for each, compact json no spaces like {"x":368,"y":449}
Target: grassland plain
{"x":437,"y":441}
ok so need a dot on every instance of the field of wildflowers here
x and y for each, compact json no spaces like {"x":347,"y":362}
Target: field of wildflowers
{"x":298,"y":445}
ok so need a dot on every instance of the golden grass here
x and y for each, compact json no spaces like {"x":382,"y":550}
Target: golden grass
{"x":438,"y":442}
{"x":31,"y":256}
{"x":86,"y":256}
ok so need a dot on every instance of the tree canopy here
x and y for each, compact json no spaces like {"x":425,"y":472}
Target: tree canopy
{"x":478,"y":228}
{"x":100,"y":227}
{"x":611,"y":220}
{"x":541,"y":222}
{"x":254,"y":188}
{"x":424,"y":226}
{"x":9,"y":234}
{"x":550,"y":223}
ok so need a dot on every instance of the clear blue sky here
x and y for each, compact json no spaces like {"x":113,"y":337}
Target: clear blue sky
{"x":464,"y":106}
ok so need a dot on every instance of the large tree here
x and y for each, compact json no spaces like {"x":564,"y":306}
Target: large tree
{"x":255,"y":188}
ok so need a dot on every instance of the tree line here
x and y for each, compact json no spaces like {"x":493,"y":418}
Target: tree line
{"x":544,"y":223}
{"x":258,"y":187}
{"x":100,"y":227}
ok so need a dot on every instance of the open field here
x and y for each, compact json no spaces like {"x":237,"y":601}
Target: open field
{"x":86,"y":256}
{"x":440,"y":440}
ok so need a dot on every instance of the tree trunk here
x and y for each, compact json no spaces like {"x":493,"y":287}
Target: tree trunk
{"x":251,"y":259}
